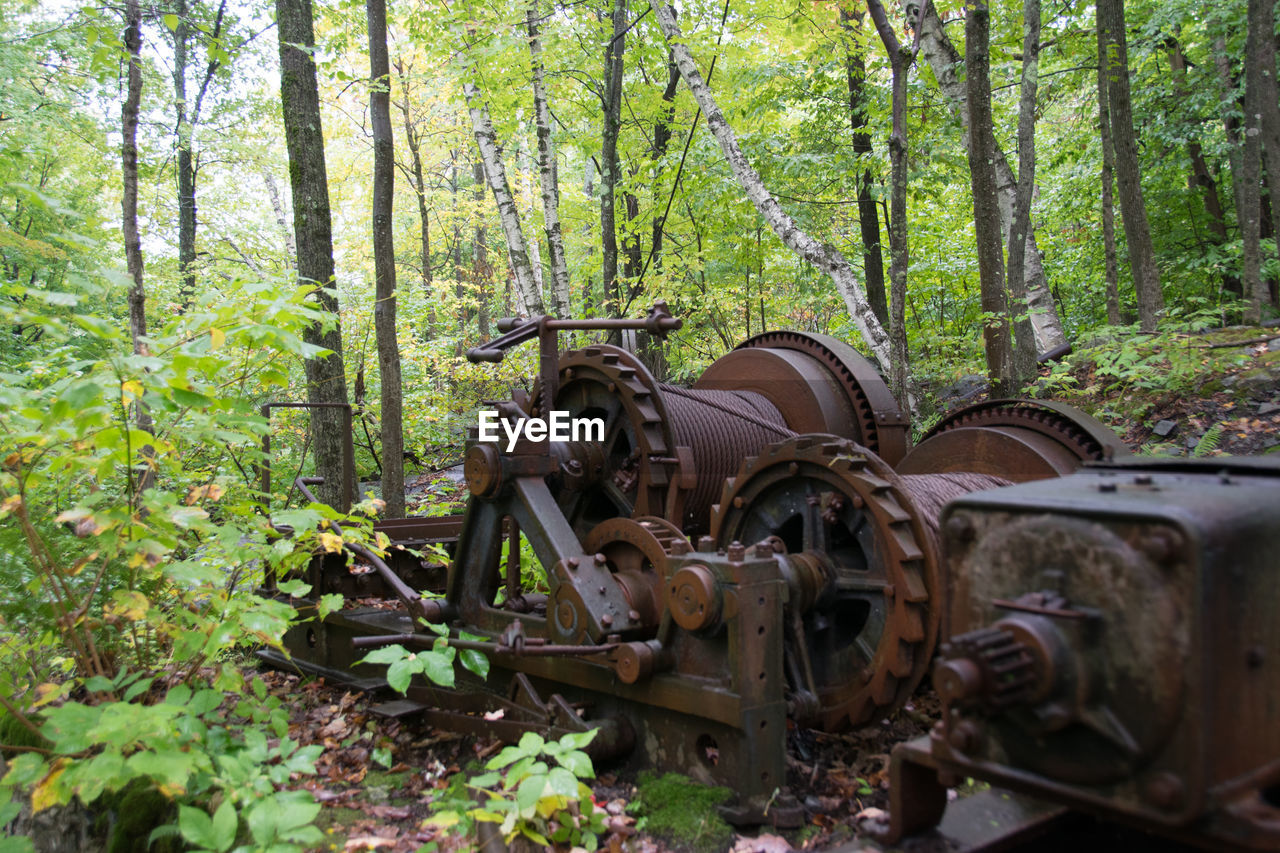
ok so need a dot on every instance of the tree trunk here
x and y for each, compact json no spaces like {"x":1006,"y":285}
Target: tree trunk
{"x":548,"y":174}
{"x":313,"y":235}
{"x":1231,"y":126}
{"x":1200,"y":177}
{"x":185,"y":167}
{"x":986,"y":208}
{"x":1260,"y":29}
{"x":1133,"y":209}
{"x":384,"y":261}
{"x":482,"y":274}
{"x":899,"y":62}
{"x":828,"y":260}
{"x":1024,"y":343}
{"x":1114,"y":316}
{"x":414,"y":143}
{"x":129,"y":226}
{"x":855,"y":65}
{"x":1268,"y":101}
{"x":661,"y":142}
{"x":612,"y":118}
{"x":496,"y":175}
{"x":936,"y":50}
{"x":282,"y":220}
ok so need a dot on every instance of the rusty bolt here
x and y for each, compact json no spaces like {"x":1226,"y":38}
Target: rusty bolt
{"x":858,"y":502}
{"x":867,"y":674}
{"x":606,"y":620}
{"x":572,"y":562}
{"x":965,"y":737}
{"x":1165,"y":791}
{"x":706,"y":544}
{"x":763,"y":550}
{"x":737,"y":551}
{"x":599,"y":559}
{"x":613,"y":386}
{"x":890,"y":590}
{"x":793,"y":469}
{"x":633,"y":615}
{"x":960,"y":528}
{"x":680,"y":547}
{"x":568,"y":373}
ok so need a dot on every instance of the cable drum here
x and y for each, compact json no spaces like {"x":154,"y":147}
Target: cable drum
{"x":721,"y":428}
{"x":931,"y":492}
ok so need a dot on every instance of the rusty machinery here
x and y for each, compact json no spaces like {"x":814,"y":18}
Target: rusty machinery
{"x":728,"y":556}
{"x":1112,"y":648}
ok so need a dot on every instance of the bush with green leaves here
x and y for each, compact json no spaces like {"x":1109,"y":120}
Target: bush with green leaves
{"x":128,"y":556}
{"x":534,"y":789}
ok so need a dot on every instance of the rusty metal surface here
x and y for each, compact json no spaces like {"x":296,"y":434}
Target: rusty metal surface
{"x":863,"y":643}
{"x":1087,"y":438}
{"x":880,"y":425}
{"x":1112,"y":637}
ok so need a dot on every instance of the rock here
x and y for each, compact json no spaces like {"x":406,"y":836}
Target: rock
{"x":964,"y":388}
{"x":1268,"y":408}
{"x":1273,"y":345}
{"x":1163,"y":428}
{"x":1229,"y":381}
{"x":1192,"y":441}
{"x":1258,"y":382}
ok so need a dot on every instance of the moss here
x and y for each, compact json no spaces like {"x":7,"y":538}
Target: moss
{"x":682,"y":812}
{"x":14,"y":733}
{"x":138,"y":810}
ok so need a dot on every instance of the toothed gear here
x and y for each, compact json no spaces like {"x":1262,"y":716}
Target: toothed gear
{"x":882,"y":426}
{"x":871,"y":631}
{"x":1085,"y":437}
{"x":987,"y":668}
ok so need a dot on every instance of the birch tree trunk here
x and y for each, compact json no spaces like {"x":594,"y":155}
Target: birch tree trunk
{"x":945,"y":61}
{"x":830,"y":261}
{"x":899,"y":62}
{"x":496,"y":176}
{"x":1133,"y":209}
{"x":1024,"y":343}
{"x":986,"y":208}
{"x":384,"y":262}
{"x":548,"y":174}
{"x":313,"y":236}
{"x":413,"y":141}
{"x":1112,"y":266}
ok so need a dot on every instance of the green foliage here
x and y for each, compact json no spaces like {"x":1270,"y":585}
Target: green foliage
{"x":673,"y":807}
{"x":534,"y":790}
{"x":435,"y":663}
{"x":1208,"y":443}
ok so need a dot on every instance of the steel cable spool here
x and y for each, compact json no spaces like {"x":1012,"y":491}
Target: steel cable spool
{"x":931,"y":492}
{"x":720,"y":428}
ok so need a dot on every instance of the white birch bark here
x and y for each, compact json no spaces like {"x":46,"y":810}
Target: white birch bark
{"x":937,"y":50}
{"x":496,"y":176}
{"x":827,"y":259}
{"x":548,"y":175}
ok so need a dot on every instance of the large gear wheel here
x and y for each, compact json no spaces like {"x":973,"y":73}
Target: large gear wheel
{"x":867,"y":634}
{"x":1017,"y":440}
{"x":819,"y":384}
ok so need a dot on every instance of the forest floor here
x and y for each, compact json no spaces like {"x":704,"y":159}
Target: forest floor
{"x":1186,"y":395}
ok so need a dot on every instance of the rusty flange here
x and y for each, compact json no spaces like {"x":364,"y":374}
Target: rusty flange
{"x":856,"y":405}
{"x":869,"y":634}
{"x":635,"y":550}
{"x":1018,"y":440}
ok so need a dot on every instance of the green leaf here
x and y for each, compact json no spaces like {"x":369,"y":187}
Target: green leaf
{"x":224,"y":826}
{"x":295,"y":587}
{"x":172,"y":21}
{"x":562,"y":783}
{"x":195,"y":826}
{"x":401,"y":672}
{"x":386,"y":654}
{"x":382,"y":756}
{"x":530,"y":791}
{"x":474,"y":661}
{"x":438,"y":666}
{"x":578,"y":763}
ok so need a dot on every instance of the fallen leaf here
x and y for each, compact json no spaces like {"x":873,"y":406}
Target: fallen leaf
{"x":764,"y":843}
